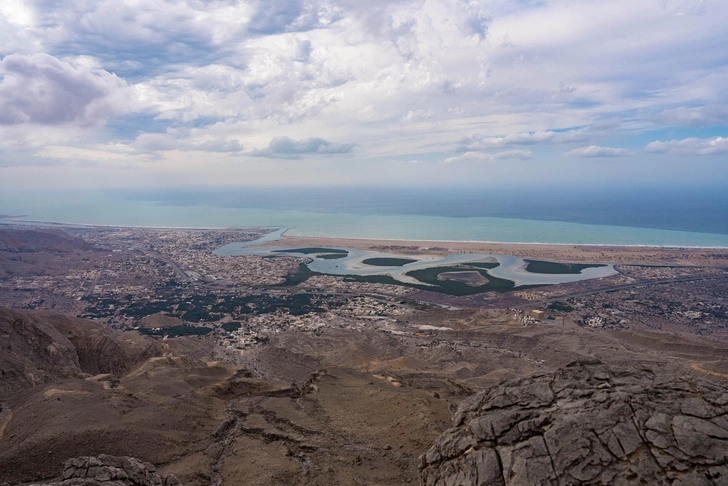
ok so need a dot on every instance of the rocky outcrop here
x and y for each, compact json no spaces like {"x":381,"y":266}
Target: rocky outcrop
{"x":100,"y":350}
{"x":111,"y":471}
{"x":32,"y":352}
{"x":586,"y":424}
{"x":33,"y":240}
{"x":39,"y":347}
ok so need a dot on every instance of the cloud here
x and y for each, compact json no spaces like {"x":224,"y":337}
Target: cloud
{"x":479,"y":25}
{"x":157,"y":142}
{"x":287,"y":148}
{"x":593,"y":151}
{"x":275,"y":16}
{"x":483,"y":157}
{"x":479,"y":142}
{"x":134,"y":39}
{"x":701,"y":116}
{"x":683,"y":7}
{"x":408,"y":77}
{"x":279,"y":16}
{"x":690,"y":146}
{"x":303,"y":51}
{"x":43,"y":90}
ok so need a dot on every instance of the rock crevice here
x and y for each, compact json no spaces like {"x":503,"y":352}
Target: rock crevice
{"x":108,"y":470}
{"x":586,"y":424}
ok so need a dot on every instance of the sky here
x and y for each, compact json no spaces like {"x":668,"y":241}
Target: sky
{"x":161,"y":93}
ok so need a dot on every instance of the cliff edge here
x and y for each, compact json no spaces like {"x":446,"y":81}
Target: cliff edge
{"x":586,"y":424}
{"x":106,"y":470}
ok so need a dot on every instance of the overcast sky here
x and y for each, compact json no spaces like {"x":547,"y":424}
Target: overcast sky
{"x":127,"y":93}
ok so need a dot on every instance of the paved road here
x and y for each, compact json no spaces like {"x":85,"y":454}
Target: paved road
{"x":171,"y":262}
{"x":93,"y":284}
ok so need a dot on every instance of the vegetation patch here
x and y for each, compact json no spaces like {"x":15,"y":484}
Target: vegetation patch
{"x":200,"y":314}
{"x":313,"y":250}
{"x":453,"y":287}
{"x":471,"y":277}
{"x":485,"y":265}
{"x":139,"y":310}
{"x":231,"y":326}
{"x":176,"y":331}
{"x":555,"y":268}
{"x":450,"y":287}
{"x":332,"y":256}
{"x":388,"y":262}
{"x":381,"y":279}
{"x":299,"y":276}
{"x":560,"y":306}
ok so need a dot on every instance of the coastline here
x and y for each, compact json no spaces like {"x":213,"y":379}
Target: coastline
{"x":485,"y":242}
{"x":560,"y":252}
{"x":714,"y":256}
{"x":10,"y":220}
{"x":55,"y":224}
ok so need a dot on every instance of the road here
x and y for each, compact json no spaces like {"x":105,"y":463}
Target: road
{"x":93,"y":284}
{"x":170,"y":262}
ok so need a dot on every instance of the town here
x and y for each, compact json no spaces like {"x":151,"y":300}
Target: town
{"x":168,"y":282}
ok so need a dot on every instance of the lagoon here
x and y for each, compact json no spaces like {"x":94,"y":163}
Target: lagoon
{"x":509,"y":267}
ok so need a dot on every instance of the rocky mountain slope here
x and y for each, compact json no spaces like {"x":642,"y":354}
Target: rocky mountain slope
{"x":25,"y":253}
{"x":111,"y":471}
{"x":359,"y":407}
{"x":32,"y":352}
{"x":40,"y":347}
{"x":21,"y":241}
{"x":586,"y":424}
{"x":210,"y":422}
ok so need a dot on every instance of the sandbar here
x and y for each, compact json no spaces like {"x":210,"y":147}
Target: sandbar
{"x":635,"y":255}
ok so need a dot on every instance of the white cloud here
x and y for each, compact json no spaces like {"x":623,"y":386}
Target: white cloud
{"x":405,"y":78}
{"x":694,"y":117}
{"x":479,"y":142}
{"x":41,"y":89}
{"x":485,"y":157}
{"x":155,"y":142}
{"x":690,"y":146}
{"x":287,"y":148}
{"x":593,"y":151}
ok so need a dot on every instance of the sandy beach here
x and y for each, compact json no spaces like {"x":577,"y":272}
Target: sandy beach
{"x":638,"y":255}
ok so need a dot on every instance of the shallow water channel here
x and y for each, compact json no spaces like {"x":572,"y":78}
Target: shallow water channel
{"x":510,"y":267}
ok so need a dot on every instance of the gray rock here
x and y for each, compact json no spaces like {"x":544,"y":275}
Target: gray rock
{"x":106,"y":470}
{"x":586,"y":424}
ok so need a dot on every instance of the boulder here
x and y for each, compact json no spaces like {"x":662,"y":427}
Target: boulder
{"x":106,"y":470}
{"x":586,"y":423}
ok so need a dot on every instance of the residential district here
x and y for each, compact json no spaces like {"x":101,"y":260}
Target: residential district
{"x":169,"y":282}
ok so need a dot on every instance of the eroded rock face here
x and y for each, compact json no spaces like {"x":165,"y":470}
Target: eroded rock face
{"x":111,"y":471}
{"x":586,"y":424}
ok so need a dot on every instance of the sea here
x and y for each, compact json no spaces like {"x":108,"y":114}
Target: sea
{"x":598,"y":215}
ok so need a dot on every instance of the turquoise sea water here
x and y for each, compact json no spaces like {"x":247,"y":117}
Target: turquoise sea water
{"x":386,"y":221}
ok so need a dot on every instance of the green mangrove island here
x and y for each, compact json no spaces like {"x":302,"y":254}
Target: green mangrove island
{"x":555,"y":268}
{"x":310,"y":251}
{"x":447,"y":285}
{"x":388,"y":262}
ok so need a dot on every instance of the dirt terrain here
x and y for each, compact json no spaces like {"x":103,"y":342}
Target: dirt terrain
{"x":33,"y":252}
{"x":587,"y":423}
{"x":345,"y":385}
{"x":472,"y":278}
{"x":334,"y":408}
